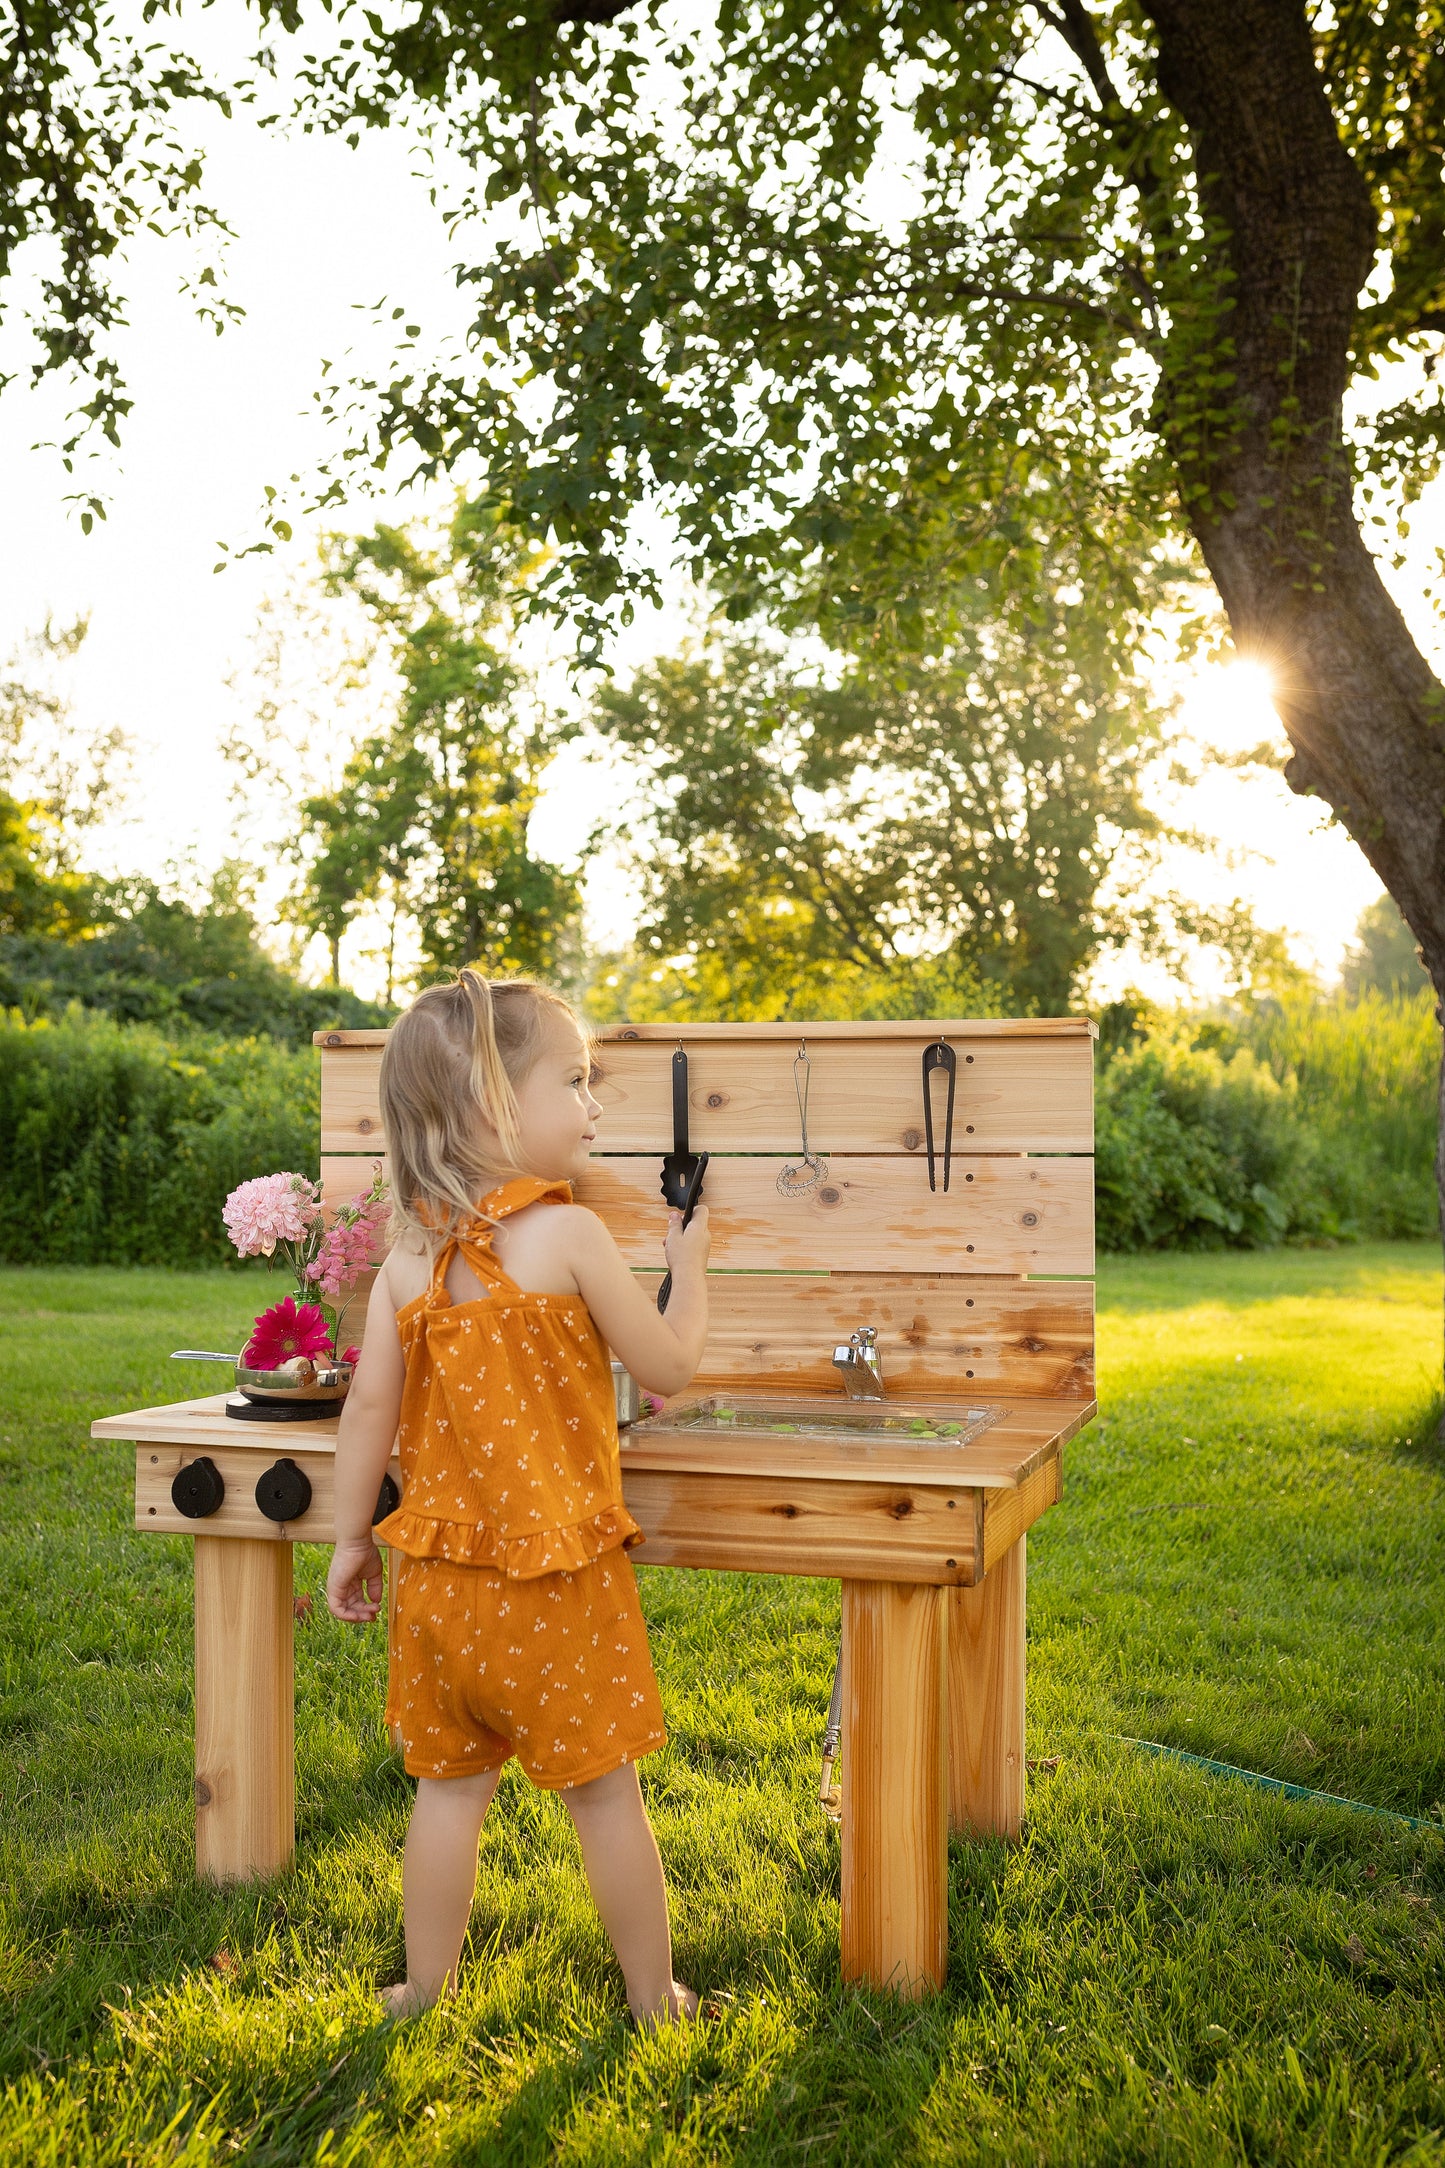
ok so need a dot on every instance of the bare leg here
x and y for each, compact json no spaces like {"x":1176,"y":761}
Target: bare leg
{"x":624,"y":1874}
{"x":438,"y":1879}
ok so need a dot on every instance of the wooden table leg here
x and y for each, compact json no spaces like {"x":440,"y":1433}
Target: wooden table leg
{"x":986,"y":1764}
{"x":895,"y":1833}
{"x":245,"y":1708}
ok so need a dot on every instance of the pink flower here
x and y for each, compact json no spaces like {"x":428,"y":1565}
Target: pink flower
{"x":284,"y":1332}
{"x":346,"y":1251}
{"x":349,"y":1246}
{"x":273,"y":1208}
{"x":352,"y":1355}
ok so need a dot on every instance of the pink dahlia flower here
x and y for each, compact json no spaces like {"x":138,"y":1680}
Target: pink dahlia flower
{"x":285,"y":1331}
{"x":273,"y":1208}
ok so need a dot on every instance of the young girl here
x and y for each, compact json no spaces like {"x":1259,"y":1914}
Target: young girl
{"x":516,"y":1627}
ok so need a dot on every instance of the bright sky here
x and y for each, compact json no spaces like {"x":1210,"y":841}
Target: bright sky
{"x":320,"y":230}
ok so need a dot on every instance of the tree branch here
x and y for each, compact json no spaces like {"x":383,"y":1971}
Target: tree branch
{"x":596,"y":12}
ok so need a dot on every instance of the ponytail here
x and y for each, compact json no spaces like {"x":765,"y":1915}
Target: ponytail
{"x":492,"y":1088}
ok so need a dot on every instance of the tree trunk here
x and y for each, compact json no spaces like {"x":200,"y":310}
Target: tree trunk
{"x":1363,"y":711}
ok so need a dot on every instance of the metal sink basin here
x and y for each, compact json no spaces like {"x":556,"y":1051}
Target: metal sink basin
{"x":843,"y":1422}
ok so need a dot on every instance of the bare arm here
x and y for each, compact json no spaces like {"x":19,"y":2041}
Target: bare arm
{"x":363,"y":1448}
{"x":662,"y":1349}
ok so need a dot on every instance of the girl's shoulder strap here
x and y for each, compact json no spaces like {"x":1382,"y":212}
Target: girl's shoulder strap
{"x":474,"y":1240}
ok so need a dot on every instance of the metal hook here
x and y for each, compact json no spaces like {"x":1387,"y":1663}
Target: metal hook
{"x":939,"y":1056}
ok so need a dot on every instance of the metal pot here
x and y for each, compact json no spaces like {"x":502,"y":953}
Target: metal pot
{"x":627,"y":1394}
{"x":324,"y":1384}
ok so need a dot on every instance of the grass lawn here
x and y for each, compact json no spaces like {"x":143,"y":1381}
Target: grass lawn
{"x":1249,"y":1562}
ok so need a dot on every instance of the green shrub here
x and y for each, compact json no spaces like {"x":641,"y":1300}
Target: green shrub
{"x":119,"y":1146}
{"x":1298,"y":1121}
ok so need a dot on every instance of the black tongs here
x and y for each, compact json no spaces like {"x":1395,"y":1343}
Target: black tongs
{"x":939,"y":1056}
{"x":680,"y":1165}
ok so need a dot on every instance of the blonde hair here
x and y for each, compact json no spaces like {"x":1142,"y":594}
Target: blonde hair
{"x":452,"y":1062}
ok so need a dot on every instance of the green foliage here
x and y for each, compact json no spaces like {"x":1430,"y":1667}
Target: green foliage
{"x":770,"y":986}
{"x":1299,"y":1120}
{"x":38,"y":899}
{"x":876,"y":300}
{"x":90,"y":155}
{"x":1385,"y":956}
{"x":1166,"y":1969}
{"x":120,"y":1146}
{"x":790,"y":833}
{"x":429,"y":819}
{"x":147,"y":956}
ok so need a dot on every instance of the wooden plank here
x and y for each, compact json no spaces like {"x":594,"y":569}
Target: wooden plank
{"x":909,"y":1027}
{"x":788,"y":1524}
{"x":245,"y":1755}
{"x":894,"y":1893}
{"x":204,"y":1423}
{"x":1002,"y":1458}
{"x":865,"y":1095}
{"x":752,"y":1524}
{"x":991,"y":1338}
{"x":1009,"y":1514}
{"x":240,"y":1467}
{"x":1000,"y":1216}
{"x":986,"y":1652}
{"x":997,"y":1339}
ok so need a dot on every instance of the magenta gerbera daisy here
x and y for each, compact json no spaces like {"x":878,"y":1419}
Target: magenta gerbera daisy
{"x":285,"y":1331}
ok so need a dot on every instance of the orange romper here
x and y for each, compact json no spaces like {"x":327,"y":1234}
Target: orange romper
{"x":515,"y":1623}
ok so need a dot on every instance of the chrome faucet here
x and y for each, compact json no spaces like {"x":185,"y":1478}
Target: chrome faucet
{"x":861,"y":1365}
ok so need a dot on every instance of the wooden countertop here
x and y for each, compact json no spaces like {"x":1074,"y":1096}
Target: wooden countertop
{"x":1002,"y":1458}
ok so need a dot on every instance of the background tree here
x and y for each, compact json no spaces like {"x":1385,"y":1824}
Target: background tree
{"x":428,"y":818}
{"x":91,"y":154}
{"x":959,"y":815}
{"x":57,"y":784}
{"x":1120,"y":289}
{"x":1383,"y":957}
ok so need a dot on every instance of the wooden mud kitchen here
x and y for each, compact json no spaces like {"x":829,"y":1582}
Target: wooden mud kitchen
{"x":902,"y":1341}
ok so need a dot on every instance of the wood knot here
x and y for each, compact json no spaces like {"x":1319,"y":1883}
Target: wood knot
{"x":1034,"y":1347}
{"x":717,"y":1099}
{"x":629,"y":1035}
{"x":203,"y":1792}
{"x":912,"y":1138}
{"x":830,"y":1195}
{"x":333,"y":1038}
{"x":902,"y":1510}
{"x":788,"y":1512}
{"x":1030,"y":1219}
{"x":366,"y":1125}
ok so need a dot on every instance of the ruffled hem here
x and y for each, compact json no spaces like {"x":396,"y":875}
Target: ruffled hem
{"x":518,"y":1558}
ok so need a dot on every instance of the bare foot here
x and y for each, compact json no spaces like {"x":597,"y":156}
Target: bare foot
{"x":403,"y":1999}
{"x":680,"y":2002}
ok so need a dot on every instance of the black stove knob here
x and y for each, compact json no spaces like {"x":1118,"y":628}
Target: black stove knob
{"x":284,"y":1491}
{"x":198,"y":1489}
{"x":388,"y":1498}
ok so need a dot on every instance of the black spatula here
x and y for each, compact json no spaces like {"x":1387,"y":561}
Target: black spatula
{"x":680,"y":1164}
